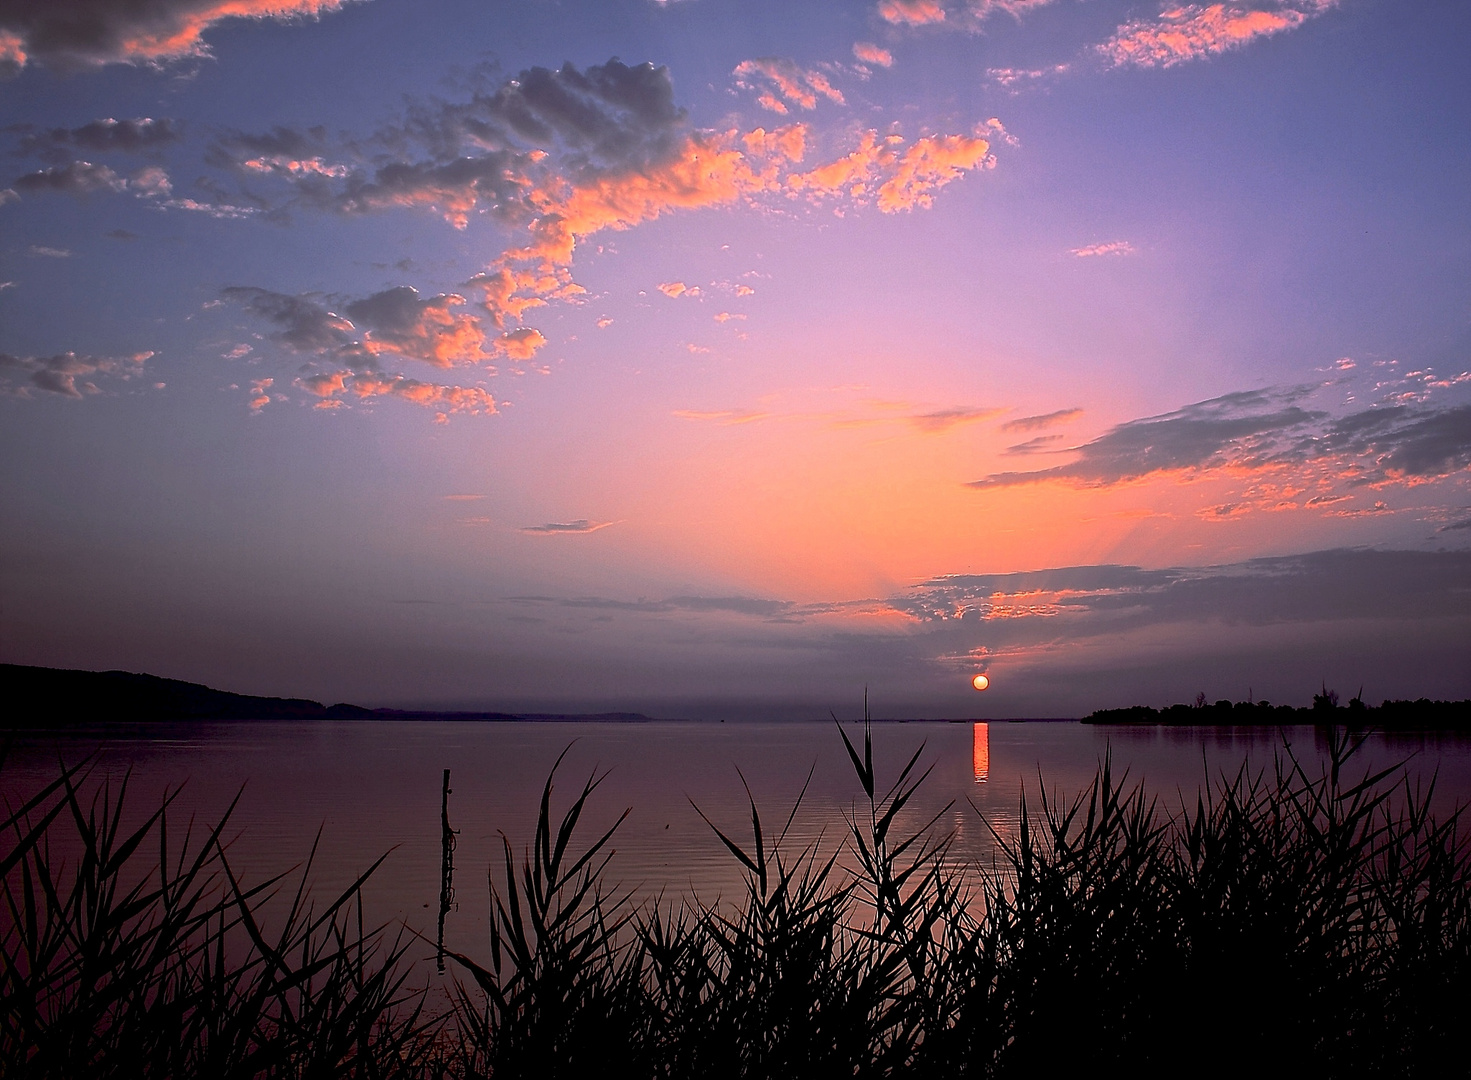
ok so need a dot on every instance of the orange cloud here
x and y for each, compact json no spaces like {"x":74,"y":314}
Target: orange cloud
{"x":896,"y":177}
{"x":520,"y":344}
{"x":370,"y":384}
{"x":708,"y":169}
{"x":1190,"y":31}
{"x":789,"y":143}
{"x":427,"y":330}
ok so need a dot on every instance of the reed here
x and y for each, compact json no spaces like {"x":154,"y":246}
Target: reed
{"x":1290,"y":921}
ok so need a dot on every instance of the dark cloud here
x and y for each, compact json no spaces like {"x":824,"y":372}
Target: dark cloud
{"x":101,"y":136}
{"x":609,"y":117}
{"x":1041,"y":444}
{"x":280,"y":142}
{"x":1044,"y":420}
{"x":393,"y":321}
{"x":59,"y":374}
{"x":75,"y":34}
{"x":487,"y":153}
{"x":74,"y":178}
{"x":1405,"y":441}
{"x":1198,"y":436}
{"x":1265,"y":430}
{"x":1314,"y":587}
{"x":303,"y":323}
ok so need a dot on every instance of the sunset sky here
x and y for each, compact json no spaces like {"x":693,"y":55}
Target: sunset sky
{"x":715,"y":358}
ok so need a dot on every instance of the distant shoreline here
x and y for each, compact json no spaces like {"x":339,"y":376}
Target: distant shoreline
{"x":40,"y":698}
{"x":64,"y":697}
{"x":1420,"y":715}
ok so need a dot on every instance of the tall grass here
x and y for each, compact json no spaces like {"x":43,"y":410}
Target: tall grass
{"x":1288,"y":921}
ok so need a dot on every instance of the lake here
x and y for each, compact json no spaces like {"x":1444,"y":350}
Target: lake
{"x":375,"y":787}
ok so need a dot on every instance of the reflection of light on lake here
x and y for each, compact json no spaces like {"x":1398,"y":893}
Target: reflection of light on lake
{"x":980,"y":752}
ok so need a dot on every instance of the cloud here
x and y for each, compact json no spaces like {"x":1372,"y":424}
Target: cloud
{"x":332,"y":387}
{"x":1100,"y":600}
{"x":1043,"y":420}
{"x":1187,"y":32}
{"x":966,"y":15}
{"x":398,"y":323}
{"x":396,"y":320}
{"x":48,"y":252}
{"x":73,"y":178}
{"x":84,"y":178}
{"x":1014,"y":78}
{"x":911,"y":12}
{"x":1258,"y":434}
{"x":1203,"y":435}
{"x":894,"y":176}
{"x":723,"y":417}
{"x":72,"y":34}
{"x":561,"y":528}
{"x":1116,"y":247}
{"x":1041,"y":444}
{"x":59,"y":374}
{"x":934,"y":423}
{"x":302,"y":323}
{"x":103,"y":136}
{"x":674,"y":289}
{"x":557,"y":156}
{"x":779,"y":82}
{"x":870,"y":53}
{"x":260,"y":391}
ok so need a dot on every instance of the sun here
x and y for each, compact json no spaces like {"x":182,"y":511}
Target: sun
{"x":980,"y":682}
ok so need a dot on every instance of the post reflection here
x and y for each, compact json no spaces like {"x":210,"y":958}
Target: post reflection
{"x":980,"y":752}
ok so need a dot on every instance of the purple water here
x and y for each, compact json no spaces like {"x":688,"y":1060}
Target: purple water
{"x":375,"y":787}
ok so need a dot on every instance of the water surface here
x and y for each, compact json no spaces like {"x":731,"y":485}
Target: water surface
{"x":375,"y":787}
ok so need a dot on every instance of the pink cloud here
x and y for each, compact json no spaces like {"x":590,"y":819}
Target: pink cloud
{"x":1116,"y":247}
{"x":780,"y":82}
{"x":911,"y":12}
{"x":870,"y":53}
{"x":1190,"y":31}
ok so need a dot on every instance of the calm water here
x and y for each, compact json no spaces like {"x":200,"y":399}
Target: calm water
{"x":373,"y":788}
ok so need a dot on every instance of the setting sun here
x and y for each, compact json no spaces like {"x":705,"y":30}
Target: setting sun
{"x":980,"y":682}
